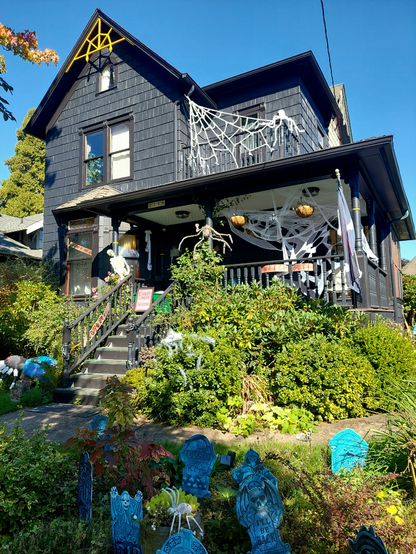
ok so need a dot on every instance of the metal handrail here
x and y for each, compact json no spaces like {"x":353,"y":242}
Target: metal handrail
{"x":83,"y":335}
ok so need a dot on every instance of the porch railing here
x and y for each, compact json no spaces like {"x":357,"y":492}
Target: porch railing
{"x":378,"y":286}
{"x":82,"y":336}
{"x":288,"y":144}
{"x":317,"y":277}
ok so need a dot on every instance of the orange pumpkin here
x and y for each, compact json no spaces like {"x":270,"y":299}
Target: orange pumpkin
{"x":304,"y":210}
{"x":238,"y":220}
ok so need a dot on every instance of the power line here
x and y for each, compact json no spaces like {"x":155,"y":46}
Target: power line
{"x":327,"y":44}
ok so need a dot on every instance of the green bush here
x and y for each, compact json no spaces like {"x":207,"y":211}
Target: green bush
{"x":390,"y":351}
{"x":330,"y":379}
{"x":164,"y":395}
{"x":37,"y":482}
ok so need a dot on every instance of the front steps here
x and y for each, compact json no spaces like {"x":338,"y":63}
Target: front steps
{"x":109,"y":360}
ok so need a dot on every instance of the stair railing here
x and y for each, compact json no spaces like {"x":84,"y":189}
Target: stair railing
{"x":142,"y":331}
{"x":82,"y":336}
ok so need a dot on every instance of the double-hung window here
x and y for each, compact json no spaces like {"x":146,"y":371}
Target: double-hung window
{"x":250,"y":149}
{"x":107,"y":153}
{"x":81,"y":248}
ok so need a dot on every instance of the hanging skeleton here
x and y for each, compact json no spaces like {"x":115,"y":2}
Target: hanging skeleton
{"x":207,"y":232}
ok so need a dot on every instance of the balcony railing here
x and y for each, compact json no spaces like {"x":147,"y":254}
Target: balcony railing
{"x":213,"y":158}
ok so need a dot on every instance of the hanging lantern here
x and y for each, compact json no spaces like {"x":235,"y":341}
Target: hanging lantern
{"x":238,"y":220}
{"x":304,"y":210}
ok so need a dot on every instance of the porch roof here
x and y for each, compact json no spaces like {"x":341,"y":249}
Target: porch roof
{"x":374,"y":158}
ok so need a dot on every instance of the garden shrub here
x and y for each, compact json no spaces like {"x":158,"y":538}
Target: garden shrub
{"x":164,"y":395}
{"x":330,"y":379}
{"x":390,"y":351}
{"x":37,"y":481}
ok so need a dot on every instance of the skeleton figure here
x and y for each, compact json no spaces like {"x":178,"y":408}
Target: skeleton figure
{"x":118,"y":264}
{"x":205,"y":233}
{"x":179,"y":509}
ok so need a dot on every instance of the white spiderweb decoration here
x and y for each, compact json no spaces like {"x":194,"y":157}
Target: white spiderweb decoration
{"x":215,"y":133}
{"x":296,"y":237}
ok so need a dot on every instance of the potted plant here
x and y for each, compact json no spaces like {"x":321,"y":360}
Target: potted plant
{"x":165,"y":514}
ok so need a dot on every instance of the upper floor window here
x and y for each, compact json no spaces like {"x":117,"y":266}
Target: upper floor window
{"x":107,"y":153}
{"x":108,"y":77}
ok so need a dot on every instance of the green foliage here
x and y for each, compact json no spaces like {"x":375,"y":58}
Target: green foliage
{"x":35,"y":397}
{"x":329,"y":379}
{"x":37,"y":482}
{"x":286,"y":420}
{"x":260,"y":321}
{"x":409,"y":299}
{"x":22,"y":193}
{"x":64,"y":536}
{"x":115,"y":402}
{"x":157,"y":507}
{"x":194,"y":274}
{"x":390,"y":351}
{"x":164,"y":395}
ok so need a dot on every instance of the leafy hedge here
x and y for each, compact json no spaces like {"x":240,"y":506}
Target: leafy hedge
{"x":330,"y":379}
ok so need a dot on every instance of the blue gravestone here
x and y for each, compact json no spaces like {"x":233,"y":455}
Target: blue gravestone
{"x":348,"y":450}
{"x":252,"y":465}
{"x":366,"y":542}
{"x":182,"y":543}
{"x":125,"y":511}
{"x":260,"y":508}
{"x":99,"y":424}
{"x":199,"y":458}
{"x":85,"y":488}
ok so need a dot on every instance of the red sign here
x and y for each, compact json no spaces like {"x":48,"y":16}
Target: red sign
{"x":303,"y":267}
{"x":275,"y":268}
{"x":97,"y":324}
{"x":144,"y":299}
{"x":81,"y":248}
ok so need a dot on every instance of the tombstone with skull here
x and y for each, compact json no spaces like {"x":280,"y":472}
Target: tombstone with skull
{"x":260,"y":508}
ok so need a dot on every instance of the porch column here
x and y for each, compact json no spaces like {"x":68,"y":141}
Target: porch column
{"x":115,"y":226}
{"x":384,"y":233}
{"x":208,"y":218}
{"x":372,"y":225}
{"x":356,"y":210}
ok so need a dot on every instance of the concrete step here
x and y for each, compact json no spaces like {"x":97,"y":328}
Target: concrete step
{"x":111,"y":353}
{"x":69,"y":396}
{"x":111,"y":367}
{"x":117,"y":341}
{"x":91,"y":380}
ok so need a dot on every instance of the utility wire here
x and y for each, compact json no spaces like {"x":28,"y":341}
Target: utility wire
{"x":327,"y":44}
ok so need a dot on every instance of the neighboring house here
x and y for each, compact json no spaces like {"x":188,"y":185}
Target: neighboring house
{"x":410,"y":267}
{"x":137,"y":153}
{"x":21,"y":236}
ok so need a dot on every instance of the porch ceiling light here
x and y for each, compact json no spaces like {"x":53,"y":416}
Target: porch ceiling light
{"x":311,"y":191}
{"x":182,"y":214}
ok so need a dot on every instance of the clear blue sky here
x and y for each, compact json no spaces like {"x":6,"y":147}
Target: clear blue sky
{"x":372,"y":42}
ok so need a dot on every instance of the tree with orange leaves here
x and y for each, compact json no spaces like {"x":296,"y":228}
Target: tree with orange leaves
{"x":24,"y":45}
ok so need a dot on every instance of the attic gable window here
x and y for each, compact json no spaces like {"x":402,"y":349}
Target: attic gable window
{"x":107,"y":153}
{"x":108,"y":78}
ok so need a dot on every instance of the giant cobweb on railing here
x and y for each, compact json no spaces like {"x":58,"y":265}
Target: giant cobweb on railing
{"x":215,"y":132}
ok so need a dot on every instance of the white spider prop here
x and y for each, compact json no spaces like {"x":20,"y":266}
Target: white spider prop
{"x":179,"y":509}
{"x":174,"y":340}
{"x":207,"y":232}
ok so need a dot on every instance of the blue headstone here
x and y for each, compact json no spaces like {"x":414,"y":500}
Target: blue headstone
{"x":199,"y":458}
{"x":124,"y":512}
{"x":99,"y":424}
{"x":260,"y":508}
{"x":85,"y":488}
{"x":182,"y":543}
{"x":252,"y":465}
{"x":348,"y":450}
{"x":367,"y":542}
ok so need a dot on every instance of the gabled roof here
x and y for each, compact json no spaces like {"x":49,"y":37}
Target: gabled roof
{"x":72,"y":68}
{"x":94,"y":194}
{"x":305,"y":64}
{"x":11,"y":224}
{"x":10,"y":247}
{"x":410,"y":268}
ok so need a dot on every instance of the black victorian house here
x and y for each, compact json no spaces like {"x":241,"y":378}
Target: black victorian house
{"x":138,"y":156}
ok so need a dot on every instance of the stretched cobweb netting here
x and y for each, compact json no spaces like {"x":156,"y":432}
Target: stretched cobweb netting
{"x":282,"y":229}
{"x":214,"y":133}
